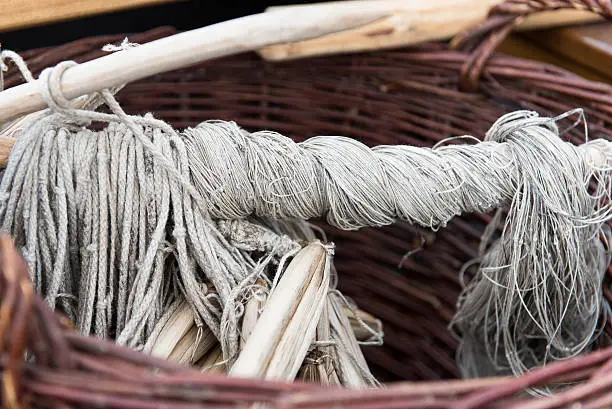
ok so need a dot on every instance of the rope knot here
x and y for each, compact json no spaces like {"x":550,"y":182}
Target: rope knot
{"x":50,"y":81}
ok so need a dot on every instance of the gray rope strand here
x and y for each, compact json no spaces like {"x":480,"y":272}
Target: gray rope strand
{"x":350,"y":184}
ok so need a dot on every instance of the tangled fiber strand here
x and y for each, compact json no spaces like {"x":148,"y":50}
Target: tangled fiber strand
{"x":537,"y":295}
{"x":117,"y":224}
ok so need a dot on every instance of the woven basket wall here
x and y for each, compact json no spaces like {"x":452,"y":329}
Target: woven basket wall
{"x":407,"y":96}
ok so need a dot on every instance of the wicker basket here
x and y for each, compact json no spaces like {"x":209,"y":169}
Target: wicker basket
{"x":415,"y":96}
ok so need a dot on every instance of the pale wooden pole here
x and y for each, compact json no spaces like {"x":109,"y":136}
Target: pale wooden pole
{"x":185,"y":49}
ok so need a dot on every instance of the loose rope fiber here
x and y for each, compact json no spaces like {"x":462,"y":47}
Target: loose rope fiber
{"x":115,"y":224}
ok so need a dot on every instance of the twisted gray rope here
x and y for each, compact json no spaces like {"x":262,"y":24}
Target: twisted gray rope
{"x":340,"y":178}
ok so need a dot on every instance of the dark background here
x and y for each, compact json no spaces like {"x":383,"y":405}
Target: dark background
{"x":183,"y":15}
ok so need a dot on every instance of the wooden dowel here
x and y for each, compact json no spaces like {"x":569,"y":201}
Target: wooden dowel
{"x":596,"y":155}
{"x":185,"y":49}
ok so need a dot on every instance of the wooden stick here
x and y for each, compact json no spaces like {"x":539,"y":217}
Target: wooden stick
{"x":596,"y":155}
{"x":408,"y":22}
{"x":252,"y":310}
{"x":185,"y":49}
{"x":279,"y":342}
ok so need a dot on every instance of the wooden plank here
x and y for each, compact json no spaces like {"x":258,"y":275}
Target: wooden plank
{"x":588,"y":45}
{"x":17,"y":14}
{"x":519,"y":45}
{"x":406,"y":22}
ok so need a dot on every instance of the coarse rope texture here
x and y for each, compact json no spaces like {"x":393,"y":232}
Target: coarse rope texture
{"x":398,"y":95}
